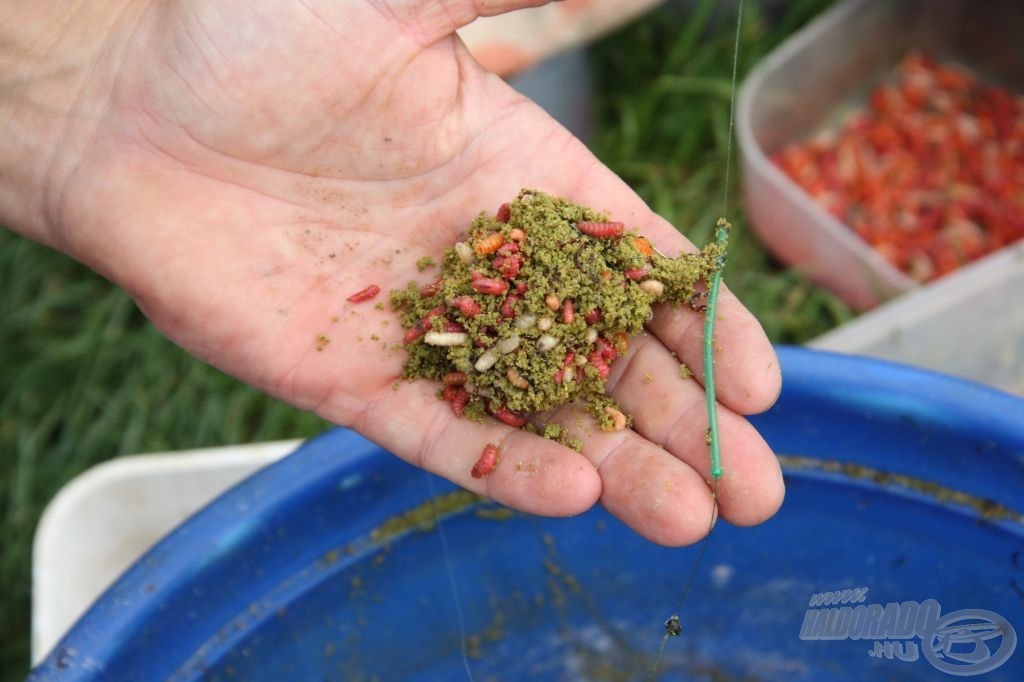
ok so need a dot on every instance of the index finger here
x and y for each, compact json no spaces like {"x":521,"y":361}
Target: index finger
{"x":746,"y":368}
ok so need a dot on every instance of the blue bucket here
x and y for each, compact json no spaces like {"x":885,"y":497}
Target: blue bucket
{"x":327,"y":566}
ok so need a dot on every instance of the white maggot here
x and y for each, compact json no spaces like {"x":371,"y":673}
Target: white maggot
{"x":446,"y":338}
{"x":465,"y":252}
{"x":547,"y":342}
{"x":653,"y":287}
{"x":526,"y":320}
{"x":486,"y":360}
{"x":508,"y":345}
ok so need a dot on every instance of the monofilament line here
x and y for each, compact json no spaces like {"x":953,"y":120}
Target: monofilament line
{"x":732,"y":108}
{"x":439,"y":522}
{"x":673,"y":626}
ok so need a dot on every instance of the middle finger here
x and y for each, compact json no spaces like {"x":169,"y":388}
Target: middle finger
{"x":670,"y":411}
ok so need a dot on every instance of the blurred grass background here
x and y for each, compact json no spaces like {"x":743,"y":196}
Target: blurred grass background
{"x":85,"y":378}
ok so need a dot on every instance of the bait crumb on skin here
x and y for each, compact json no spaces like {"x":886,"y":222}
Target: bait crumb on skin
{"x":321,"y":341}
{"x":648,"y":377}
{"x":531,"y":467}
{"x":685,"y":372}
{"x":424,"y":263}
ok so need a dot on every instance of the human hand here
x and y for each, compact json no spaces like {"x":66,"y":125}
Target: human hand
{"x":241,"y":167}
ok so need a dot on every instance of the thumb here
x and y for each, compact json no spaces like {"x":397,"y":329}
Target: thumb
{"x":488,"y":8}
{"x":435,"y":19}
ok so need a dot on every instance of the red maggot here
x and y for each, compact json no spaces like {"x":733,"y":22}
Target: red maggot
{"x":458,"y":397}
{"x":504,"y":213}
{"x":466,"y":305}
{"x":487,"y":462}
{"x":431,"y":289}
{"x":636,"y":273}
{"x":568,"y":311}
{"x":599,"y":364}
{"x":489,"y":286}
{"x":507,"y":416}
{"x":508,"y":306}
{"x":455,"y":378}
{"x":601,"y":229}
{"x":421,"y":327}
{"x":364,"y":294}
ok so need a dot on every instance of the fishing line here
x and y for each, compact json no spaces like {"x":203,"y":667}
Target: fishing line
{"x":673,"y":626}
{"x":732,"y":108}
{"x":439,"y":522}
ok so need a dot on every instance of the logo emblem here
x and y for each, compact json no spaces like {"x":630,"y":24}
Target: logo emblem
{"x":969,"y":642}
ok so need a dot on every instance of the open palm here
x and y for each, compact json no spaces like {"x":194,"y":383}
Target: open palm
{"x":248,"y":164}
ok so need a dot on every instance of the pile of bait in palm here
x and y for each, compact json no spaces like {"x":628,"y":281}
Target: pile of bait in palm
{"x":532,"y":308}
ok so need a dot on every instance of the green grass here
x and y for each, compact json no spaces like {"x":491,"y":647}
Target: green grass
{"x":85,"y":378}
{"x":662,"y":124}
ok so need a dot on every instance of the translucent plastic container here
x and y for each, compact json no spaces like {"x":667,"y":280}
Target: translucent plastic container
{"x":819,"y":74}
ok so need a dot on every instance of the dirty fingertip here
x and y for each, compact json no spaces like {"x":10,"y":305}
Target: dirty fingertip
{"x":538,"y":476}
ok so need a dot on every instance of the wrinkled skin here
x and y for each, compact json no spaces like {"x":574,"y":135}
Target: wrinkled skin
{"x":242,"y":166}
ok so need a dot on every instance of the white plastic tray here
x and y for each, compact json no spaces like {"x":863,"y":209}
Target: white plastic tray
{"x":103,"y":520}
